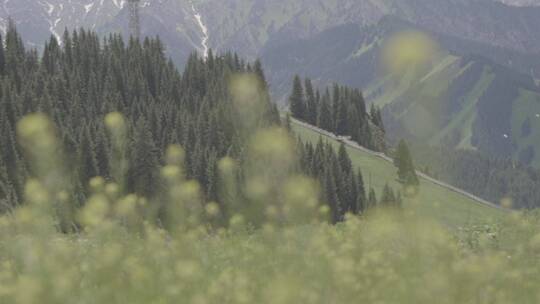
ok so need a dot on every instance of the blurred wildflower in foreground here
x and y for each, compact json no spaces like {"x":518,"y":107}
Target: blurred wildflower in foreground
{"x":387,"y":256}
{"x":276,"y":192}
{"x":49,"y":190}
{"x":248,"y":99}
{"x":408,"y":49}
{"x":411,"y":58}
{"x":117,"y":128}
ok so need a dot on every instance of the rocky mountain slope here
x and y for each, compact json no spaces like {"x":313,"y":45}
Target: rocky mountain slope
{"x":177,"y":22}
{"x":247,"y":26}
{"x":38,"y":19}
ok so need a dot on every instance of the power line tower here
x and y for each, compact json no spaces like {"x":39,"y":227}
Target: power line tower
{"x":134,"y":19}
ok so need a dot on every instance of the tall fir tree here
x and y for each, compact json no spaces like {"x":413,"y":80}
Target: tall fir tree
{"x":404,"y":163}
{"x":311,"y":103}
{"x":372,"y":200}
{"x":297,"y":102}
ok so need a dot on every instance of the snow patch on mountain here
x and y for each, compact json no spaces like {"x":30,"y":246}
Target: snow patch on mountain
{"x":50,"y":8}
{"x":120,"y":4}
{"x":52,"y":28}
{"x":56,"y":15}
{"x":89,"y":7}
{"x":204,"y":30}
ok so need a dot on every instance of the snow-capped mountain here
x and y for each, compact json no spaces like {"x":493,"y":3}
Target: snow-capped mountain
{"x":38,"y":19}
{"x":248,"y":26}
{"x":179,"y":23}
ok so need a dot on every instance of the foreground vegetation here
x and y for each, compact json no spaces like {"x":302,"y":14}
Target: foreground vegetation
{"x":384,"y":257}
{"x":278,"y":249}
{"x":379,"y":260}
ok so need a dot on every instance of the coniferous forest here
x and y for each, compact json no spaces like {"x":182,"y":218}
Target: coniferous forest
{"x":80,"y":81}
{"x":77,"y":83}
{"x":340,"y":110}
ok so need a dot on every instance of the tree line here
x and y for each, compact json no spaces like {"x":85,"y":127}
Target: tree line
{"x":342,"y":186}
{"x":499,"y":180}
{"x":343,"y":112}
{"x":77,"y":82}
{"x":340,"y":110}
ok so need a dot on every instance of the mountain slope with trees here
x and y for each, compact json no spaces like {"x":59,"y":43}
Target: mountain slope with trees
{"x":456,"y":100}
{"x":77,"y":84}
{"x":456,"y":105}
{"x":249,"y":26}
{"x":433,"y":201}
{"x":342,"y":112}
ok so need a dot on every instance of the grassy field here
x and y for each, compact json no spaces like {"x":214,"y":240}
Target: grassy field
{"x":123,"y":253}
{"x":436,"y":202}
{"x":527,"y":108}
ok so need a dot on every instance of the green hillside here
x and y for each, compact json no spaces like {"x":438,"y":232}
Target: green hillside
{"x":448,"y":207}
{"x":526,"y":126}
{"x":455,"y":99}
{"x":465,"y":103}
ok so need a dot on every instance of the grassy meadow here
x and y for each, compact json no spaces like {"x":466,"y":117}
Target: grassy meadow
{"x":119,"y":252}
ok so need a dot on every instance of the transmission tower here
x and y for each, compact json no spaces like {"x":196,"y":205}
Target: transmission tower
{"x":134,"y":19}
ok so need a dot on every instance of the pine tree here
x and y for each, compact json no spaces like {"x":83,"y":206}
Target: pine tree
{"x":361,"y":199}
{"x":2,"y":59}
{"x":352,"y":190}
{"x":332,"y":197}
{"x":376,"y":117}
{"x":296,"y":100}
{"x":403,"y":161}
{"x":344,"y":160}
{"x":388,"y":198}
{"x":311,"y":104}
{"x":143,"y":175}
{"x":336,"y":103}
{"x":372,"y":200}
{"x":324,"y":119}
{"x":86,"y":158}
{"x":342,"y":118}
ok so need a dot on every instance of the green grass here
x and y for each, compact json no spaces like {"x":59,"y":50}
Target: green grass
{"x":420,"y":104}
{"x":124,"y":253}
{"x":463,"y":121}
{"x":447,"y":207}
{"x":527,"y":106}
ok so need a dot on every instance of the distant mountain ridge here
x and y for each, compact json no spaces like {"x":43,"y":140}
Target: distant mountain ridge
{"x":247,"y":26}
{"x":486,"y":73}
{"x":173,"y":20}
{"x":521,"y":2}
{"x":460,"y":100}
